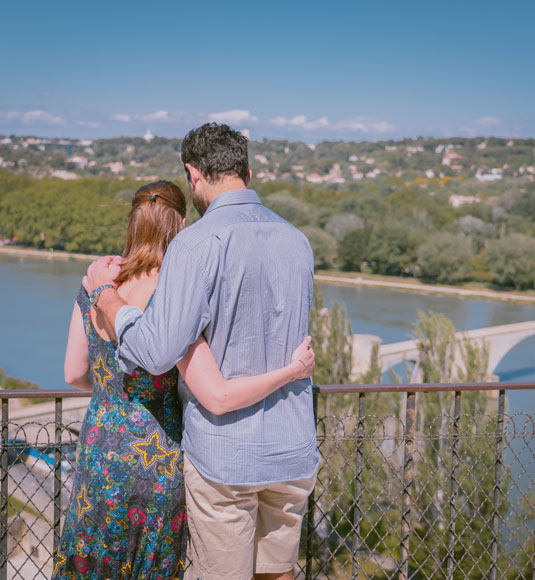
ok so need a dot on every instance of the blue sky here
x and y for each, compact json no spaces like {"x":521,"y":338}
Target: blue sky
{"x":288,"y":69}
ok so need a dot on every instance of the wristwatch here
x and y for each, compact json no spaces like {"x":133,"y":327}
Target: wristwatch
{"x":94,"y":294}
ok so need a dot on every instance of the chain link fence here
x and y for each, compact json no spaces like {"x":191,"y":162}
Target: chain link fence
{"x":415,"y":481}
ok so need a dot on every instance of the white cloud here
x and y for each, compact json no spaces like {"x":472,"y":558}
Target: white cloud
{"x":487,"y":122}
{"x":121,"y":118}
{"x":92,"y":124}
{"x":360,"y":125}
{"x":234,"y":117}
{"x":157,"y":116}
{"x":365,"y":126}
{"x":300,"y":121}
{"x":6,"y":116}
{"x":163,"y":116}
{"x":486,"y":126}
{"x":32,"y":117}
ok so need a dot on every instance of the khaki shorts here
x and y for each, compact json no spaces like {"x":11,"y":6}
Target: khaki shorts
{"x":239,"y":530}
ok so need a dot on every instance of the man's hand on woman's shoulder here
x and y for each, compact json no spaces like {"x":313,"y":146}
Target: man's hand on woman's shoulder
{"x":102,"y":271}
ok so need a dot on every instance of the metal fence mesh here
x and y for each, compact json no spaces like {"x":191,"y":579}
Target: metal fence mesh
{"x":416,"y":485}
{"x":408,"y":496}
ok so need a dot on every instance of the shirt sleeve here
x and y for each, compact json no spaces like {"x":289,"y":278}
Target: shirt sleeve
{"x":158,"y":338}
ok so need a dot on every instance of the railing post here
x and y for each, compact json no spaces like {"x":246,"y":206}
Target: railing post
{"x":498,"y":469}
{"x":357,"y":512}
{"x":310,"y":509}
{"x":4,"y":492}
{"x":454,"y":486}
{"x":57,"y":474}
{"x":408,"y":475}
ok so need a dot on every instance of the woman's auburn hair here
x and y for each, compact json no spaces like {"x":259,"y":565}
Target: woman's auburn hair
{"x":156,"y":217}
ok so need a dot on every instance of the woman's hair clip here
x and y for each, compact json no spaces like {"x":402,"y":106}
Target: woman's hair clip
{"x":152,"y":197}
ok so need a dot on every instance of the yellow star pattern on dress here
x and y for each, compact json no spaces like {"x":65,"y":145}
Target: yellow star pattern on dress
{"x":101,"y":372}
{"x":83,"y":504}
{"x":59,"y":561}
{"x":152,"y":450}
{"x":126,"y":569}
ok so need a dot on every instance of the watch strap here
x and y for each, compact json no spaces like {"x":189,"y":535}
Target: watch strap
{"x":94,"y":294}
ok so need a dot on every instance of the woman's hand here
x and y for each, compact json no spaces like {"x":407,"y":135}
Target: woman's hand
{"x":305,"y":358}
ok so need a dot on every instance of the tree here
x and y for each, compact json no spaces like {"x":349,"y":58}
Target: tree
{"x":391,"y":250}
{"x":341,"y":224}
{"x":323,"y":246}
{"x":332,"y":341}
{"x":296,"y":211}
{"x":512,"y":261}
{"x":445,"y":258}
{"x":353,"y":250}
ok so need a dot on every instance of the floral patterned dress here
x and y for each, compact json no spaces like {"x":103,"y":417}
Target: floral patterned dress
{"x":127,"y":514}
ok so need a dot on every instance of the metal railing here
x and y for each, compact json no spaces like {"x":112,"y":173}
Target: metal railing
{"x":415,"y":481}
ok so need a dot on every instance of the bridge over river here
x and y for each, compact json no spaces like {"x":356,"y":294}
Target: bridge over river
{"x":499,"y":339}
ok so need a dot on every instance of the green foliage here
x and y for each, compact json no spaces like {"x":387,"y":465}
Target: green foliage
{"x":297,"y":211}
{"x":401,"y":204}
{"x":332,"y":341}
{"x":353,"y":250}
{"x":442,"y":357}
{"x":512,"y":261}
{"x":340,"y":225}
{"x":323,"y":246}
{"x":14,"y":383}
{"x":445,"y":258}
{"x":84,"y":216}
{"x":391,"y":250}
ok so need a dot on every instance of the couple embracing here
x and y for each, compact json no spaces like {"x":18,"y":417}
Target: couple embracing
{"x":224,"y":314}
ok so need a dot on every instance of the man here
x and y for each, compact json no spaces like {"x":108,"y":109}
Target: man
{"x":241,"y":276}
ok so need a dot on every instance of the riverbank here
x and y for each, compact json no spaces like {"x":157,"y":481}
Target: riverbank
{"x":330,"y":277}
{"x":52,"y":255}
{"x":358,"y":279}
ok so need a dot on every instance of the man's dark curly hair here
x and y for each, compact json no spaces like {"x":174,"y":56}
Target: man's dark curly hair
{"x":216,"y":150}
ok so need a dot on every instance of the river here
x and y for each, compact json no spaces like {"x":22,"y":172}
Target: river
{"x":37,"y":296}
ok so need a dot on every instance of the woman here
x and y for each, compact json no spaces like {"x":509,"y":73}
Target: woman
{"x":126,"y":517}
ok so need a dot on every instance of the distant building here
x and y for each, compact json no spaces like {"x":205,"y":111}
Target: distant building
{"x":61,"y":174}
{"x":266,"y":176}
{"x":148,"y":136}
{"x":115,"y":166}
{"x":495,"y":174}
{"x":411,"y":149}
{"x":78,"y":160}
{"x":373,"y":174}
{"x":449,"y":157}
{"x":458,"y":200}
{"x":261,"y":159}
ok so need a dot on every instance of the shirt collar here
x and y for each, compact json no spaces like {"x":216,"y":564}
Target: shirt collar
{"x":234,"y":197}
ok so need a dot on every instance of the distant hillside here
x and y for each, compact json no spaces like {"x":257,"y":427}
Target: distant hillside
{"x":442,"y":210}
{"x":339,"y":164}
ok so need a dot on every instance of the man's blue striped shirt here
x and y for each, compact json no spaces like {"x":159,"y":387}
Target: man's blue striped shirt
{"x":242,"y":276}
